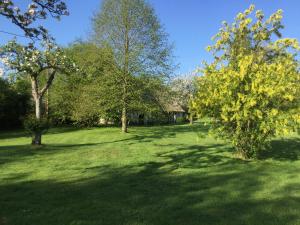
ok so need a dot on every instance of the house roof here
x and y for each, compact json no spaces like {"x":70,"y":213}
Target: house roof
{"x":175,"y":107}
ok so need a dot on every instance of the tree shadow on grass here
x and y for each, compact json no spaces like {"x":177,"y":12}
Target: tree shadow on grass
{"x":284,"y":149}
{"x":9,"y":134}
{"x":148,"y":134}
{"x":199,"y":156}
{"x":146,"y":194}
{"x":152,"y":131}
{"x":188,"y":185}
{"x":12,"y":134}
{"x":9,"y":153}
{"x":12,"y":153}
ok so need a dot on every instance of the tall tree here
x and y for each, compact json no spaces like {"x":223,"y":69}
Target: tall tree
{"x":30,"y":59}
{"x":139,"y":43}
{"x":251,"y":90}
{"x":36,"y":63}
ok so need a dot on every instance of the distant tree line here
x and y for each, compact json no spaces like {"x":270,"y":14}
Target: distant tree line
{"x":90,"y":94}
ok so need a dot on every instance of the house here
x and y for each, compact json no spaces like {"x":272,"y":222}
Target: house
{"x":169,"y":113}
{"x":176,"y":113}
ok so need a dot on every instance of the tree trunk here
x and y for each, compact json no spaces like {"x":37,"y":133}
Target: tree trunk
{"x":125,"y":74}
{"x":38,"y":107}
{"x":124,"y":120}
{"x":47,"y":103}
{"x":38,"y":96}
{"x":47,"y":97}
{"x":37,"y":136}
{"x":191,"y":119}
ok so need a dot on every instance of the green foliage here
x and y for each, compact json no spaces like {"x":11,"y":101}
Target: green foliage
{"x":149,"y":91}
{"x":32,"y":125}
{"x":92,"y":93}
{"x":180,"y":120}
{"x":251,"y":91}
{"x":83,"y":96}
{"x":14,"y":102}
{"x":135,"y":35}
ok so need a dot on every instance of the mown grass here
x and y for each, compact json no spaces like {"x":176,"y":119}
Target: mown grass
{"x":169,"y":175}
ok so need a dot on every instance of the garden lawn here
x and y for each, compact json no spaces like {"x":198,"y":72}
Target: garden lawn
{"x":167,"y":175}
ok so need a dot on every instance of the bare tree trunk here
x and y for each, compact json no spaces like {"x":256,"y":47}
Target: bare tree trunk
{"x":124,"y":120}
{"x":38,"y":108}
{"x":47,"y":103}
{"x":37,"y":136}
{"x":47,"y":97}
{"x":191,"y":119}
{"x":125,"y":74}
{"x":124,"y":109}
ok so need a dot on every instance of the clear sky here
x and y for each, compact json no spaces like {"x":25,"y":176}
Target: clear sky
{"x":190,"y":23}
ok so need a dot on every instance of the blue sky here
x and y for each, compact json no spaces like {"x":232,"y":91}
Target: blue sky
{"x":190,"y":23}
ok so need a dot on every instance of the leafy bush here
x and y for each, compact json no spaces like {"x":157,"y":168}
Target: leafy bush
{"x":181,"y":120}
{"x":251,"y":91}
{"x":33,"y":125}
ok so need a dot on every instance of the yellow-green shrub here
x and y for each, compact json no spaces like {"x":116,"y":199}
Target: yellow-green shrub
{"x":251,"y":89}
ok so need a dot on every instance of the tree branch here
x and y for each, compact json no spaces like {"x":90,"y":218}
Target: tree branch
{"x":49,"y":82}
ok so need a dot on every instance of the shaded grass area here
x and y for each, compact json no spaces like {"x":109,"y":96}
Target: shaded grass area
{"x":168,"y":175}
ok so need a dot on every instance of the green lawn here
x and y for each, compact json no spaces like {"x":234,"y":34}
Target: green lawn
{"x":168,"y":175}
